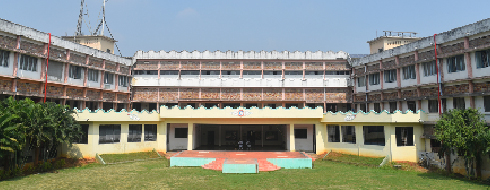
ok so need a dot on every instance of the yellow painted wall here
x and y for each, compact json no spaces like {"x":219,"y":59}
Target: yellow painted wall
{"x":257,"y":116}
{"x":93,"y":147}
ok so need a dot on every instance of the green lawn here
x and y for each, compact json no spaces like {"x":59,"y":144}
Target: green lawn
{"x":115,"y":158}
{"x":155,"y":174}
{"x":354,"y":159}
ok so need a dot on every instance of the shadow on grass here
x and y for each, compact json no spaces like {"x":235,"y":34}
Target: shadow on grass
{"x":451,"y":177}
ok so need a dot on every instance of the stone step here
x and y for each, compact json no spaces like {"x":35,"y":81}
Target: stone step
{"x":215,"y":165}
{"x":266,"y":166}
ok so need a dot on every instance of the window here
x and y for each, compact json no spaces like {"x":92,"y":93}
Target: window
{"x":482,"y":60}
{"x":93,"y":75}
{"x":336,"y":72}
{"x":433,"y":106}
{"x":272,"y":72}
{"x":455,"y":64}
{"x":150,"y":132}
{"x":28,"y":63}
{"x":169,"y":72}
{"x":409,"y":72}
{"x":252,"y":72}
{"x":377,"y":107}
{"x":404,"y":136}
{"x":411,"y":106}
{"x":300,"y":133}
{"x":180,"y":133}
{"x":122,"y":81}
{"x":75,"y":72}
{"x":145,"y":72}
{"x":333,"y":134}
{"x":108,"y":78}
{"x":210,"y":72}
{"x":291,"y":105}
{"x":314,"y":73}
{"x":134,"y":134}
{"x":390,"y":76}
{"x":294,"y":72}
{"x":230,"y":72}
{"x":349,"y":134}
{"x":109,"y":133}
{"x":458,"y":103}
{"x":374,"y":135}
{"x":393,"y":106}
{"x":374,"y":79}
{"x":430,"y":68}
{"x":361,"y":81}
{"x":4,"y":58}
{"x":486,"y":102}
{"x":84,"y":135}
{"x":189,"y":72}
{"x":363,"y":108}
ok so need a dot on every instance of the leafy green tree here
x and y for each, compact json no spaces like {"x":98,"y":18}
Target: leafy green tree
{"x":37,"y":125}
{"x":464,"y":132}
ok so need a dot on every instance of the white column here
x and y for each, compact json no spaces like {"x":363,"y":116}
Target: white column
{"x":292,"y":143}
{"x":190,"y":131}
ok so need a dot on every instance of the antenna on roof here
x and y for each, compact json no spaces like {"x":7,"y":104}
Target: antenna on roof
{"x":80,"y":18}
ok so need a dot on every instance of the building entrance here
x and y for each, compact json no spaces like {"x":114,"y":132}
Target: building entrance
{"x":255,"y":137}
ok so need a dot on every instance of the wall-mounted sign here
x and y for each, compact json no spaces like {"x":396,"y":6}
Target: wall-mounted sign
{"x":133,"y":116}
{"x":349,"y":117}
{"x":241,"y":113}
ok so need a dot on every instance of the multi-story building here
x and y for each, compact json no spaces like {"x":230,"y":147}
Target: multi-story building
{"x":77,"y":75}
{"x":406,"y":77}
{"x":241,"y":79}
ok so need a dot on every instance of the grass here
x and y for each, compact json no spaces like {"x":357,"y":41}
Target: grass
{"x":155,"y":174}
{"x":352,"y":159}
{"x":115,"y":158}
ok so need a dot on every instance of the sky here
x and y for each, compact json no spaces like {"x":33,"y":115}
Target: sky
{"x":248,"y":25}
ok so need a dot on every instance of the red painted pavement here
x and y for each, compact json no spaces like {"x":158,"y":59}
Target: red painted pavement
{"x":211,"y":154}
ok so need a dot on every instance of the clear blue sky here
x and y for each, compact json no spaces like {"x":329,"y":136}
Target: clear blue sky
{"x":248,"y":24}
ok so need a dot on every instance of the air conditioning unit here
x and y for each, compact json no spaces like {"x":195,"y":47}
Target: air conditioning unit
{"x":107,"y":86}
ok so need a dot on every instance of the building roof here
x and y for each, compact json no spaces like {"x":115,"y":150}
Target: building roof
{"x":264,"y":55}
{"x":454,"y":34}
{"x":17,"y":29}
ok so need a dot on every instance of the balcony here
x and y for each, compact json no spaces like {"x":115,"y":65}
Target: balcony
{"x":338,"y":81}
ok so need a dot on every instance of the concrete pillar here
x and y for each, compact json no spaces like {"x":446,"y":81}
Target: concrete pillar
{"x":468,"y":64}
{"x":292,"y":140}
{"x":67,"y":72}
{"x":321,"y":135}
{"x":15,"y":64}
{"x":162,"y":137}
{"x":190,"y":136}
{"x":417,"y":72}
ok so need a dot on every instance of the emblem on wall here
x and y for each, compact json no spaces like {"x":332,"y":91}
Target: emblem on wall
{"x":241,"y":113}
{"x":349,"y":117}
{"x":133,"y":116}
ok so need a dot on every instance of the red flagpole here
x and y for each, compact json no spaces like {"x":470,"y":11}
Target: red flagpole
{"x":46,"y":72}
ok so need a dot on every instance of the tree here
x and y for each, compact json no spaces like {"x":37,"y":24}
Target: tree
{"x":35,"y":124}
{"x":466,"y":133}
